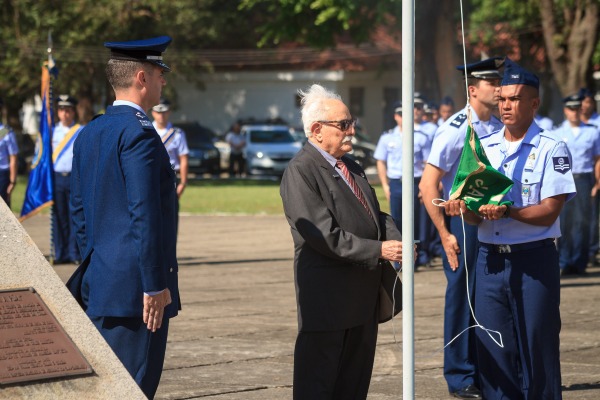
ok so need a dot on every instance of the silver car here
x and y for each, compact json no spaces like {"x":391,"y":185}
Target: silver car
{"x":269,"y":148}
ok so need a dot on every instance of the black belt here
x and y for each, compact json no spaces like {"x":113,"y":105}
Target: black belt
{"x":513,"y":248}
{"x":583,"y":174}
{"x":63,"y":173}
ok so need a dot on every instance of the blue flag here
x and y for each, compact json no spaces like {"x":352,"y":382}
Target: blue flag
{"x":39,"y":188}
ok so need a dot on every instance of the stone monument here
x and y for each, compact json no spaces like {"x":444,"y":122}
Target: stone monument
{"x":49,"y":349}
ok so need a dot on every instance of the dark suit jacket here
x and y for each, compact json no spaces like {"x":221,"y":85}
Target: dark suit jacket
{"x":337,"y":244}
{"x":124,"y":209}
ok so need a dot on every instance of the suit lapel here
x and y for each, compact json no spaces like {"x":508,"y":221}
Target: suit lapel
{"x":363,"y":184}
{"x":334,"y":175}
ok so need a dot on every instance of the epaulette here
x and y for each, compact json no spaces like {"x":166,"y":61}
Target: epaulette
{"x":550,"y":135}
{"x":459,"y":120}
{"x":144,"y":121}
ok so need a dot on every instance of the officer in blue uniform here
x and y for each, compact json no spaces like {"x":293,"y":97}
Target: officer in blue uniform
{"x":544,"y":122}
{"x":63,"y":137}
{"x":583,"y":142}
{"x":518,"y":284}
{"x":591,"y":117}
{"x":483,"y":79}
{"x":124,"y":205}
{"x":8,"y":161}
{"x":174,"y":140}
{"x":388,"y":154}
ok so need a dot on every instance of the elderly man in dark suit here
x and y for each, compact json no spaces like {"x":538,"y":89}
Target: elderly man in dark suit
{"x":124,"y":209}
{"x":341,"y":240}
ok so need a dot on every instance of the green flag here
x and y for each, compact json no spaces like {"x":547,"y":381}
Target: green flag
{"x":476,"y":181}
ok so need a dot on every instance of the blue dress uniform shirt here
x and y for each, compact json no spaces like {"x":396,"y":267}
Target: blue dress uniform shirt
{"x":449,"y":140}
{"x":176,"y":146}
{"x":389,"y":149}
{"x":584,"y":147}
{"x":65,"y":162}
{"x":539,"y":169}
{"x":8,"y":147}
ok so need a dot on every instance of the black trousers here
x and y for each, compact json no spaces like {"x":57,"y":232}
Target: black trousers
{"x":4,"y":182}
{"x":335,"y":364}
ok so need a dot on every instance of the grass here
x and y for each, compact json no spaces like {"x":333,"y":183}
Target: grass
{"x":214,"y":197}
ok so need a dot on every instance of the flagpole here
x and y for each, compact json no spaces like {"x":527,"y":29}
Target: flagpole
{"x":50,"y":117}
{"x":408,"y":62}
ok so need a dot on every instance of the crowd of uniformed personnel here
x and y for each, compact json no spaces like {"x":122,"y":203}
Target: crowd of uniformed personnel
{"x":516,"y":254}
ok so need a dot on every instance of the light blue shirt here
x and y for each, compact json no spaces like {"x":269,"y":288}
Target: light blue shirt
{"x":595,"y":120}
{"x":584,"y":147}
{"x":65,"y":161}
{"x":544,"y":122}
{"x":428,"y":128}
{"x":8,"y":146}
{"x":332,"y":161}
{"x":176,"y":143}
{"x":449,"y":140}
{"x":128,"y":103}
{"x":539,"y":168}
{"x":389,"y":149}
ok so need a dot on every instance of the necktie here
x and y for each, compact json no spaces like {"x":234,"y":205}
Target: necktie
{"x":353,"y":185}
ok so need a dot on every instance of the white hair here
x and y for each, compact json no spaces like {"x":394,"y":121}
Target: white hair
{"x":313,"y":107}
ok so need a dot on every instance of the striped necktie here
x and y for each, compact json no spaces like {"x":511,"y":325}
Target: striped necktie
{"x":353,"y":185}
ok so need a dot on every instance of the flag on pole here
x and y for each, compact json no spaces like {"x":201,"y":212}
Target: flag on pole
{"x":38,"y":194}
{"x":476,"y":182}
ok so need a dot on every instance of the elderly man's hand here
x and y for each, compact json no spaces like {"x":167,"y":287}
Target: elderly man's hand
{"x":154,"y":309}
{"x":391,"y":250}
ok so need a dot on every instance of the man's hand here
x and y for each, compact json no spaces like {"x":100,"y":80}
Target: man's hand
{"x":492,"y":211}
{"x":454,"y":208}
{"x":452,"y":250}
{"x":386,"y":191}
{"x":180,"y":189}
{"x":391,"y":250}
{"x":10,"y":187}
{"x":154,"y":309}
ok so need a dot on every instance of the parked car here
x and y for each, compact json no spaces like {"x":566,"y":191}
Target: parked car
{"x":269,"y":148}
{"x":204,"y":157}
{"x":362,"y":150}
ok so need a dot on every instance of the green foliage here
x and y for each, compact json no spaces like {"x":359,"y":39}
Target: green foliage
{"x":80,"y":27}
{"x":518,"y":15}
{"x":318,"y":23}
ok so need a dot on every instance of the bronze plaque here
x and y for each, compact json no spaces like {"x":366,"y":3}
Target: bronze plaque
{"x":33,"y":345}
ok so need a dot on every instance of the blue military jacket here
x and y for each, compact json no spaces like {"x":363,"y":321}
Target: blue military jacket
{"x":124,"y":208}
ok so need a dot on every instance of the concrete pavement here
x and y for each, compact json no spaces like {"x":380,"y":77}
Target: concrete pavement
{"x":234,"y":338}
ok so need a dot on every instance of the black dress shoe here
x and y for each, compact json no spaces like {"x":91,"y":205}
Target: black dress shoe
{"x":468,"y":392}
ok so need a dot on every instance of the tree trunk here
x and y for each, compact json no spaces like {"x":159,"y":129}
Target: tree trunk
{"x":570,"y":47}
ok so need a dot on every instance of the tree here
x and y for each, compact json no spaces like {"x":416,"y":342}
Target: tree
{"x":558,"y":38}
{"x":79,"y":28}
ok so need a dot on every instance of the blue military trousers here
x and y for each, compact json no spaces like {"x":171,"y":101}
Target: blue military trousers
{"x":575,"y":220}
{"x":518,"y":294}
{"x":460,"y":368}
{"x":420,"y":217}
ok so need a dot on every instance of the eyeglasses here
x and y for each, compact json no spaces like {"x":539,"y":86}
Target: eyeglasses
{"x":343,"y":124}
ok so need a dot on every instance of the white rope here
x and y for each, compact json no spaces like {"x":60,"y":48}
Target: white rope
{"x":438,"y":203}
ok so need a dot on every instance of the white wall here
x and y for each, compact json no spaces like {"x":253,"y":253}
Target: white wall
{"x":229,"y":96}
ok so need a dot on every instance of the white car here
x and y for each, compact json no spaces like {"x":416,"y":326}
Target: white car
{"x":269,"y":148}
